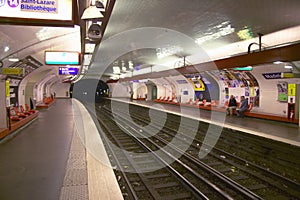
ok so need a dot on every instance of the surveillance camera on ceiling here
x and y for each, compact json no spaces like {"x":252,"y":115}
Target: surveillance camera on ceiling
{"x":99,"y":4}
{"x":94,"y":32}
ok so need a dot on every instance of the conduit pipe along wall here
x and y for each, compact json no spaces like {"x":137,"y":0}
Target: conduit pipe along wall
{"x":259,"y":43}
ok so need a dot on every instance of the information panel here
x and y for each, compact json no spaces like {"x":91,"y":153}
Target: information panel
{"x":62,"y":58}
{"x":67,"y":71}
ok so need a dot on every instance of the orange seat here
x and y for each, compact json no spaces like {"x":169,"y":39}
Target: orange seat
{"x":250,"y":106}
{"x":24,"y":111}
{"x":167,"y":99}
{"x":28,"y":109}
{"x":18,"y":113}
{"x":15,"y":118}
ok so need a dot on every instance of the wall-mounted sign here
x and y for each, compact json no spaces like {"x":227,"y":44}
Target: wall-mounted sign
{"x":67,"y":71}
{"x":181,"y":81}
{"x":62,"y":58}
{"x":288,"y":75}
{"x":7,"y":88}
{"x":37,"y":11}
{"x":291,"y":89}
{"x":12,"y":71}
{"x":14,"y":82}
{"x":275,"y":75}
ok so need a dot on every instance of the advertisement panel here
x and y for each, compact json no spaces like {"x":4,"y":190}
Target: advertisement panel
{"x":198,"y":85}
{"x":282,"y":88}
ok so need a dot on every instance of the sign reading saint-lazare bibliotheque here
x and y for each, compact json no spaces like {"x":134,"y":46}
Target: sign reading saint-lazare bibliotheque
{"x":58,"y":10}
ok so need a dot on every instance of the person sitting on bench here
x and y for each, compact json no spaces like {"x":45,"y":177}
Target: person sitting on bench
{"x":243,"y":107}
{"x":231,"y":105}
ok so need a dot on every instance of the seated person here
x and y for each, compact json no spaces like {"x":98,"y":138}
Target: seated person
{"x":231,"y":105}
{"x":243,"y":107}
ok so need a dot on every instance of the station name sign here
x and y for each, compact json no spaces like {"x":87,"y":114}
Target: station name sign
{"x":32,"y":10}
{"x":39,"y":6}
{"x":275,"y":75}
{"x":280,"y":75}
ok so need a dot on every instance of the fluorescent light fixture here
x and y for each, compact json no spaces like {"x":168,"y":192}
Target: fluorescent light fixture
{"x":130,"y":64}
{"x":277,"y":62}
{"x":13,"y":59}
{"x":288,"y":67}
{"x":122,"y":75}
{"x":216,"y":32}
{"x":116,"y":70}
{"x":6,"y":49}
{"x":92,"y":12}
{"x":167,"y":51}
{"x":115,"y":77}
{"x":248,"y":68}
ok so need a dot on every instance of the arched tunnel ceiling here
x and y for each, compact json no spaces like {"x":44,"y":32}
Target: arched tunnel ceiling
{"x":35,"y":77}
{"x":212,"y":24}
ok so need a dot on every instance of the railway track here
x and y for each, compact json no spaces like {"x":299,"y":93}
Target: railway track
{"x":274,"y":156}
{"x":165,"y":183}
{"x":192,"y":173}
{"x":258,"y":180}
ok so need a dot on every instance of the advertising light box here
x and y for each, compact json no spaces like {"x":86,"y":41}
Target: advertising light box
{"x":62,"y":58}
{"x":67,"y":71}
{"x":55,"y":12}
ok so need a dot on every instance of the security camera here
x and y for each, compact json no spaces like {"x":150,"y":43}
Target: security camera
{"x":99,"y":4}
{"x":94,"y":32}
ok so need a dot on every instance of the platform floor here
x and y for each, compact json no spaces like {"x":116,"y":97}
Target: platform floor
{"x":47,"y":160}
{"x":280,"y":131}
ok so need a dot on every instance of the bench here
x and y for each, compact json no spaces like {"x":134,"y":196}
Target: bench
{"x":248,"y":113}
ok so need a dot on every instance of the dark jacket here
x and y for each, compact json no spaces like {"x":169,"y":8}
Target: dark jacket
{"x":232,"y":102}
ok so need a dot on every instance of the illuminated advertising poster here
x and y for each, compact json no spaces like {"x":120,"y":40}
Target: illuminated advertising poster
{"x":292,"y":89}
{"x":7,"y":88}
{"x":197,"y":84}
{"x":61,"y":10}
{"x":282,"y":91}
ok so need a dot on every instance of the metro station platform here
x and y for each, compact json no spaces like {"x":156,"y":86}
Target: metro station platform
{"x":47,"y":160}
{"x":280,"y":131}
